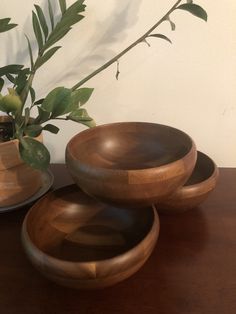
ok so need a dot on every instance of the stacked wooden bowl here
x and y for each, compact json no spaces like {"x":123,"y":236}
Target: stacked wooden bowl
{"x":101,"y":231}
{"x":199,"y":185}
{"x":78,"y":242}
{"x":132,"y":163}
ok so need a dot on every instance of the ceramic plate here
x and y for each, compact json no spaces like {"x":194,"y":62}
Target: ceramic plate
{"x":47,"y":181}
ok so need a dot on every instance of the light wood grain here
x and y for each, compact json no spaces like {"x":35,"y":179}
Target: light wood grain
{"x":9,"y":152}
{"x":18,"y":181}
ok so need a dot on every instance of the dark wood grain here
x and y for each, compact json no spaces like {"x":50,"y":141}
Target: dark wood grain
{"x":191,"y":271}
{"x":201,"y":183}
{"x":131,"y":163}
{"x":81,"y":243}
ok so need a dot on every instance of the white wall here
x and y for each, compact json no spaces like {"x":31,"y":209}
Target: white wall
{"x":190,"y":85}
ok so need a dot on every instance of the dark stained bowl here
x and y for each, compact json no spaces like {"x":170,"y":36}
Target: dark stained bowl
{"x":200,"y":184}
{"x":78,"y":242}
{"x":130,"y":163}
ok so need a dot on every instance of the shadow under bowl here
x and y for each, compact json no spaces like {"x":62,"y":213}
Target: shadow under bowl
{"x":81,"y":243}
{"x":200,"y":184}
{"x":130,"y":163}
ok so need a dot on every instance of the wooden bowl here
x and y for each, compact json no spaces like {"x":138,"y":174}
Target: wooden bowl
{"x":81,"y":243}
{"x":130,"y":163}
{"x":200,"y":184}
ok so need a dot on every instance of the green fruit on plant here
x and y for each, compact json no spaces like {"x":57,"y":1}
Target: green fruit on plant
{"x":10,"y":103}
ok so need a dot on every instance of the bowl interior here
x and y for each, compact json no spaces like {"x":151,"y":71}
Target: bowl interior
{"x":70,"y":226}
{"x":204,"y":169}
{"x":129,"y":145}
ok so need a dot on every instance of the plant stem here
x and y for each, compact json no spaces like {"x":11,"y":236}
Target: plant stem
{"x":26,"y":89}
{"x":117,"y":57}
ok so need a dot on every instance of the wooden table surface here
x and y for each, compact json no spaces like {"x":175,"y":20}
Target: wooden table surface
{"x":192,"y":270}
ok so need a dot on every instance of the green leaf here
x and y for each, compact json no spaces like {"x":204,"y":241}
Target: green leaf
{"x":68,"y":21}
{"x":42,"y":117}
{"x":51,"y":128}
{"x":12,"y":68}
{"x":74,"y":102}
{"x":10,"y":78}
{"x":82,"y":95}
{"x":34,"y":153}
{"x":75,"y":7}
{"x":81,"y":116}
{"x":1,"y":83}
{"x":32,"y":94}
{"x":4,"y":21}
{"x":69,"y":18}
{"x":37,"y":30}
{"x":62,"y":6}
{"x":19,"y":120}
{"x":194,"y":9}
{"x":27,"y":115}
{"x":57,"y":101}
{"x":33,"y":130}
{"x":161,"y":36}
{"x":30,"y":52}
{"x":21,"y":80}
{"x":5,"y":26}
{"x":42,"y":20}
{"x":46,"y":56}
{"x":40,"y":101}
{"x":50,"y":10}
{"x":56,"y":37}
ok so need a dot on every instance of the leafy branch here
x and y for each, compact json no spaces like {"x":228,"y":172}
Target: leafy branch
{"x":46,"y":39}
{"x":189,"y":6}
{"x":61,"y":103}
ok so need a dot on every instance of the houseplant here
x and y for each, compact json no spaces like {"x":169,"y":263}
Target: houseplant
{"x":60,"y":103}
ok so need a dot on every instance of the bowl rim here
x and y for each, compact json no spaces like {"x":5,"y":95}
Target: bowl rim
{"x":214,"y":175}
{"x":155,"y":225}
{"x":69,"y":154}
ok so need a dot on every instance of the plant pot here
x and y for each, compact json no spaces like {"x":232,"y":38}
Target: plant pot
{"x":18,"y":181}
